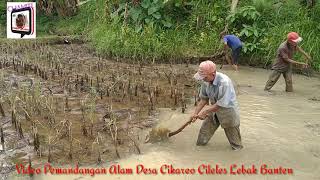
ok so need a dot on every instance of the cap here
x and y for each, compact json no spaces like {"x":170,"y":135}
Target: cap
{"x":205,"y":68}
{"x":294,"y":37}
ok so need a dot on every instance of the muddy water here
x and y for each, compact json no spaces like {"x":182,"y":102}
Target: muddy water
{"x":278,"y":129}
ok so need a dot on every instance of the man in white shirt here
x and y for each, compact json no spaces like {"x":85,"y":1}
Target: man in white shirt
{"x":223,"y":110}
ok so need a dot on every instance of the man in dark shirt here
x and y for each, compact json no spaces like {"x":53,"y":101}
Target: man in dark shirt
{"x":284,"y":61}
{"x":234,"y":43}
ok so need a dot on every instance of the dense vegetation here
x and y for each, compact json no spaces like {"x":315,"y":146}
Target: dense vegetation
{"x":166,"y":30}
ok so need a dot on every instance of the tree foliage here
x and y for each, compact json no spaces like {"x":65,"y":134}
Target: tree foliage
{"x":61,"y":7}
{"x":154,"y":13}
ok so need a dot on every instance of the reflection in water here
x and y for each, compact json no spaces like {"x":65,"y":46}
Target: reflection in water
{"x":277,"y":129}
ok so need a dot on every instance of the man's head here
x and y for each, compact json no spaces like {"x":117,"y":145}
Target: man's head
{"x":20,"y":21}
{"x":293,"y":38}
{"x":206,"y":72}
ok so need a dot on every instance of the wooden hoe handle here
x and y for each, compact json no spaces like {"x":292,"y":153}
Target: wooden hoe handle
{"x":181,"y":128}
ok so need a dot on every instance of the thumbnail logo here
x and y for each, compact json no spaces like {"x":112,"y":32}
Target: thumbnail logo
{"x":21,"y":20}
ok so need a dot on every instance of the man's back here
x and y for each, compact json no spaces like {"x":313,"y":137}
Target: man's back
{"x":233,"y":41}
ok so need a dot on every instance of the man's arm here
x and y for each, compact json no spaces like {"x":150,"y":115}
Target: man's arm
{"x":225,"y":46}
{"x":225,"y":95}
{"x":294,"y":62}
{"x":304,"y":53}
{"x":198,"y":108}
{"x":204,"y":99}
{"x":284,"y":55}
{"x":226,"y":54}
{"x":209,"y":109}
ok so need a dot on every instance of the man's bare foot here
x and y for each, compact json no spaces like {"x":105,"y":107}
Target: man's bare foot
{"x":235,"y":67}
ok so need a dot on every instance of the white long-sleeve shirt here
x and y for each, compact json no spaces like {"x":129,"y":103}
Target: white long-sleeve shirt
{"x":222,"y":93}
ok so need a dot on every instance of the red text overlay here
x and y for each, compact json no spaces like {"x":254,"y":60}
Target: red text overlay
{"x":165,"y":169}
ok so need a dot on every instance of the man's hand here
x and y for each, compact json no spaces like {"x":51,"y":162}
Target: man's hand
{"x":298,"y":63}
{"x":308,"y":58}
{"x":202,"y":116}
{"x":194,"y":117}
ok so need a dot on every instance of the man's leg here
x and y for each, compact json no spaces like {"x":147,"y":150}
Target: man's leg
{"x":227,"y":57}
{"x":273,"y":78}
{"x":234,"y":137}
{"x":208,"y":127}
{"x":235,"y":58}
{"x":288,"y":78}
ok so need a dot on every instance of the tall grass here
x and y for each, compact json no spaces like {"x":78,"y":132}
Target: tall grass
{"x":157,"y":44}
{"x":287,"y":17}
{"x":3,"y":18}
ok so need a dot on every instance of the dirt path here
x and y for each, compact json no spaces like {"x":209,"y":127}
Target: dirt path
{"x":278,"y":129}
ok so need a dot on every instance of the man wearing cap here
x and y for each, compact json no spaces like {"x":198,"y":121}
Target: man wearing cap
{"x":223,"y":110}
{"x":234,"y":43}
{"x":284,"y":61}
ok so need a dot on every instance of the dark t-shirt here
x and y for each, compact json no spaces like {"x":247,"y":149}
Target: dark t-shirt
{"x":284,"y":52}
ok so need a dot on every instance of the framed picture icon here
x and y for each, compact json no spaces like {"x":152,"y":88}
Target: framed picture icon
{"x":21,"y":21}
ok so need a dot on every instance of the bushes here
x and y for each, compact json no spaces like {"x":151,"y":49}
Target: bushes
{"x":127,"y":43}
{"x":196,"y":34}
{"x":168,"y":30}
{"x":286,"y":17}
{"x":3,"y":18}
{"x":157,"y":13}
{"x":262,"y":5}
{"x":244,"y":23}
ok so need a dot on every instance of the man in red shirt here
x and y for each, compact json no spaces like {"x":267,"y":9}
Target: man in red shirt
{"x":284,"y":61}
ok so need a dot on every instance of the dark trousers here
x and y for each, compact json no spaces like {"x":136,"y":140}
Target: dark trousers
{"x":236,"y":55}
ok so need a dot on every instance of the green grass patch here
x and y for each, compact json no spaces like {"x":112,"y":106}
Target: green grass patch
{"x":194,"y":34}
